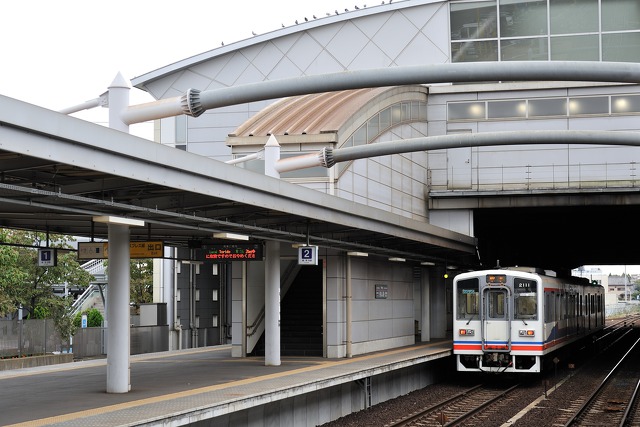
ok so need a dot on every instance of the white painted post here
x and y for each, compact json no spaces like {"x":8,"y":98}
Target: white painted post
{"x":118,"y":103}
{"x":118,"y":297}
{"x":118,"y":368}
{"x":272,"y":272}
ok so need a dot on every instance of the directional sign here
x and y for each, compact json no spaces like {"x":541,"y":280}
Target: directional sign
{"x":93,"y":250}
{"x":308,"y":255}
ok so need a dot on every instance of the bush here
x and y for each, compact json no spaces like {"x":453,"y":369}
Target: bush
{"x":94,"y":318}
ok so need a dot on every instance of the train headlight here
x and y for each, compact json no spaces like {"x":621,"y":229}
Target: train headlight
{"x":527,"y":333}
{"x":467,"y":332}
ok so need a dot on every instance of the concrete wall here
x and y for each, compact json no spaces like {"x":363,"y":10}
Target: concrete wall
{"x":329,"y":404}
{"x":377,"y":323}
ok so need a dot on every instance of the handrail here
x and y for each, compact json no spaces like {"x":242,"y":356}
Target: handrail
{"x":289,"y":275}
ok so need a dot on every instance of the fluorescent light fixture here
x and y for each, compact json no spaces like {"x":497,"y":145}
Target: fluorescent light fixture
{"x":396,"y":259}
{"x":427,"y":263}
{"x":357,"y":254}
{"x":230,"y":236}
{"x":298,"y":245}
{"x":452,"y":267}
{"x":108,"y":219}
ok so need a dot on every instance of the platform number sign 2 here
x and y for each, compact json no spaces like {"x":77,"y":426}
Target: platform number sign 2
{"x":308,"y":255}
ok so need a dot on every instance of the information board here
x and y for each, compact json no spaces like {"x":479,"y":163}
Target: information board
{"x":233,"y":252}
{"x":100,"y":250}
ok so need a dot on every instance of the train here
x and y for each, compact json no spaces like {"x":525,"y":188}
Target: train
{"x":515,"y":319}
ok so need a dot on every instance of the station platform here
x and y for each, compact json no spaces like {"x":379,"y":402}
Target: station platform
{"x":189,"y":387}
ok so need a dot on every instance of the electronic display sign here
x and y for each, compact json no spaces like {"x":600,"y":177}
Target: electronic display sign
{"x":233,"y":252}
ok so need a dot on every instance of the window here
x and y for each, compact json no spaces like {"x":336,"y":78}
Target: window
{"x":567,"y":30}
{"x":507,"y":109}
{"x":496,"y":308}
{"x":575,"y":48}
{"x":547,"y":107}
{"x":525,"y":299}
{"x":467,"y":299}
{"x":620,"y":15}
{"x":567,"y":18}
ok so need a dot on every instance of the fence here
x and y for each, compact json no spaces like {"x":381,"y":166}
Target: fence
{"x":30,"y":337}
{"x":533,"y":177}
{"x":35,"y":337}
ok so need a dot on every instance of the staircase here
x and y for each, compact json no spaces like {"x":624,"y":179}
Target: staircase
{"x":301,"y":315}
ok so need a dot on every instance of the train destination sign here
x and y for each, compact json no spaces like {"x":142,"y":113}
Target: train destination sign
{"x":233,"y":252}
{"x":100,"y":250}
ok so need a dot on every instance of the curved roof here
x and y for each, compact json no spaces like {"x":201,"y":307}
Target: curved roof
{"x":323,"y":113}
{"x":307,"y":114}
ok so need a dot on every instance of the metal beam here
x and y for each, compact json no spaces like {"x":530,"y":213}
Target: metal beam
{"x":194,"y":102}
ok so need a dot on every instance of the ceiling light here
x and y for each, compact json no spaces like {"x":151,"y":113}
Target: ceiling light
{"x":230,"y":236}
{"x":396,"y":259}
{"x":108,"y":219}
{"x":357,"y":254}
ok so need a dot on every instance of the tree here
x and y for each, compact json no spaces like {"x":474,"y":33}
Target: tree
{"x":94,"y":318}
{"x":24,"y":283}
{"x":141,"y":281}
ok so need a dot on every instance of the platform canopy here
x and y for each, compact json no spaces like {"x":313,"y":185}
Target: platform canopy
{"x":58,"y":172}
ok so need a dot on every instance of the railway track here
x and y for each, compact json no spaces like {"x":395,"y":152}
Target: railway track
{"x":612,"y":401}
{"x":459,"y":408}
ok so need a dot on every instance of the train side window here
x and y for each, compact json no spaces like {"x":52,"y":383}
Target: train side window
{"x":468,"y":299}
{"x":525,"y":299}
{"x":550,"y":310}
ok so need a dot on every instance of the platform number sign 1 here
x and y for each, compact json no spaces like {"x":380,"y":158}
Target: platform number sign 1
{"x":47,"y":257}
{"x":308,"y":255}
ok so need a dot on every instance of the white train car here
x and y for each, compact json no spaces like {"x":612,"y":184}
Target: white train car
{"x":511,"y":319}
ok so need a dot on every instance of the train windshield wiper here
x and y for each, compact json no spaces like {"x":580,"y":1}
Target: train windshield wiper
{"x":474,"y":315}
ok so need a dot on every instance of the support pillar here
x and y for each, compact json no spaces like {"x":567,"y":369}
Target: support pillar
{"x":272,"y":272}
{"x":348,"y":303}
{"x":118,"y":330}
{"x":118,"y":298}
{"x":272,"y":304}
{"x":425,"y":294}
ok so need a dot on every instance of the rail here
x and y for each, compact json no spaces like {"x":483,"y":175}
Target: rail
{"x":590,"y":406}
{"x":580,"y":176}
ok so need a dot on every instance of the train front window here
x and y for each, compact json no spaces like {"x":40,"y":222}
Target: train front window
{"x":525,"y":299}
{"x":467,"y":299}
{"x":496,"y":304}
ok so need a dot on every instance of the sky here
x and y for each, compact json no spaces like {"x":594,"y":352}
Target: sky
{"x":58,"y":54}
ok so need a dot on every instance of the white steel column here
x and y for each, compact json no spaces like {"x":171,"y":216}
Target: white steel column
{"x":118,"y":331}
{"x":425,"y":291}
{"x":118,"y":293}
{"x":272,"y":304}
{"x":348,"y":302}
{"x":272,"y":272}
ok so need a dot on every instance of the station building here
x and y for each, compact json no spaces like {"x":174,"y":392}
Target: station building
{"x":394,"y":303}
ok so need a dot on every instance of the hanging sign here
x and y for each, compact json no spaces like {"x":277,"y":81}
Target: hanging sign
{"x":233,"y":252}
{"x":47,"y":257}
{"x":308,"y":255}
{"x":100,"y":250}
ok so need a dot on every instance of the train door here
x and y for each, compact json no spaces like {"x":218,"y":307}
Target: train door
{"x":496,"y":326}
